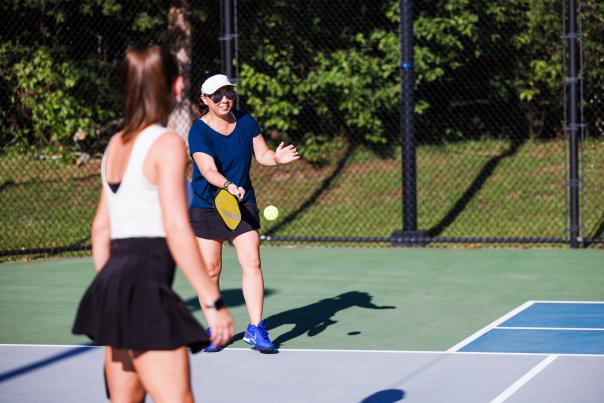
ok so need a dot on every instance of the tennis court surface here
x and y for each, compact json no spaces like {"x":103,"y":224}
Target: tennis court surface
{"x":352,"y":325}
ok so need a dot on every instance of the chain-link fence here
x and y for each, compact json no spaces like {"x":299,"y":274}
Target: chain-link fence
{"x":61,"y":102}
{"x":492,"y":157}
{"x":489,"y":109}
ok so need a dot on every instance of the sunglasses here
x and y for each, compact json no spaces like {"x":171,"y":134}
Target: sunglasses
{"x":217,"y":96}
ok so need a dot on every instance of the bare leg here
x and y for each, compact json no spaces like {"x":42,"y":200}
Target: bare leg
{"x":252,"y":283}
{"x":165,"y":374}
{"x":122,"y":379}
{"x":211,"y":254}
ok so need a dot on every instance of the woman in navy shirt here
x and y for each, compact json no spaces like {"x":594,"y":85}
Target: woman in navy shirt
{"x":221,"y":144}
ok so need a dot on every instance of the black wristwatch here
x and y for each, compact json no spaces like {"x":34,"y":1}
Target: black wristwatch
{"x":226,"y":185}
{"x":218,"y":304}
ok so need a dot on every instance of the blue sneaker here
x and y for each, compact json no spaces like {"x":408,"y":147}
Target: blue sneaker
{"x":257,"y":337}
{"x":211,"y":348}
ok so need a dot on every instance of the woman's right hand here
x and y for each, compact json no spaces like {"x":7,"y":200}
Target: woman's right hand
{"x":221,"y":322}
{"x":236,"y":191}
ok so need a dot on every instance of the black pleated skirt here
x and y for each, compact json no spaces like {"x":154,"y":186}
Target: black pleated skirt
{"x":131,"y":305}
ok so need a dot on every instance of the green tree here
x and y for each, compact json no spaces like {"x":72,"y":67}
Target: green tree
{"x":320,"y":71}
{"x":59,"y":62}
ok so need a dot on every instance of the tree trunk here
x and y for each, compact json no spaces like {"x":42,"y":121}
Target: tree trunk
{"x":181,"y":43}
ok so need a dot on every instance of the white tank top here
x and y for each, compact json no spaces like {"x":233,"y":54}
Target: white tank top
{"x":134,"y":210}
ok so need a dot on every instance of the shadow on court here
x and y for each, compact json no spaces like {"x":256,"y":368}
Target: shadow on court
{"x":232,"y":298}
{"x":71,"y":352}
{"x":315,"y":318}
{"x":385,"y":396}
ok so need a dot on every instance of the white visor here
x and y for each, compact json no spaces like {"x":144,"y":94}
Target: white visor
{"x":212,"y":84}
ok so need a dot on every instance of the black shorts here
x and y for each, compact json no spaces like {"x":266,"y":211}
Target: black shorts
{"x":207,"y":224}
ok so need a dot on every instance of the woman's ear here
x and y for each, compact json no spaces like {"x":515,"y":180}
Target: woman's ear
{"x":203,"y":100}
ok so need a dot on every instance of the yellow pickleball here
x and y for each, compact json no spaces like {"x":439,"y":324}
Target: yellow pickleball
{"x":271,"y":212}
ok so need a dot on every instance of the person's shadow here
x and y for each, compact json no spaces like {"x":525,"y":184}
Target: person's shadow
{"x":315,"y":318}
{"x":232,"y":297}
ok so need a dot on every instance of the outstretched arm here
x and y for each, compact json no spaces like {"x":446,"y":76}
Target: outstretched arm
{"x":371,"y":305}
{"x":282,"y":155}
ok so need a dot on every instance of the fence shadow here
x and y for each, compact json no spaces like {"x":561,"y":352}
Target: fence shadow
{"x":314,"y":318}
{"x":6,"y":184}
{"x":476,"y":185}
{"x":76,"y":246}
{"x":597,"y":231}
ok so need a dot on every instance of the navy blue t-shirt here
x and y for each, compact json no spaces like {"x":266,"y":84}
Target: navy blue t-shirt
{"x":232,"y":155}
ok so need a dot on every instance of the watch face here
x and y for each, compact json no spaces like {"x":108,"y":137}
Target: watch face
{"x":219,"y":303}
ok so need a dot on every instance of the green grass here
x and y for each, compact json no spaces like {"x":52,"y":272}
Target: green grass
{"x":45,"y":203}
{"x":496,"y":195}
{"x":475,"y":188}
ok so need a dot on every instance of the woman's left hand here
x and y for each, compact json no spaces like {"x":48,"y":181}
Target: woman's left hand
{"x":285,"y":155}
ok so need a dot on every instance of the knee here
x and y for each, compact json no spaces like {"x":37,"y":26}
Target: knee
{"x":214,"y":269}
{"x":252,"y":265}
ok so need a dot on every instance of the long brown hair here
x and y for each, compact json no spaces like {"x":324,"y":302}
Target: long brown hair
{"x":147,"y":77}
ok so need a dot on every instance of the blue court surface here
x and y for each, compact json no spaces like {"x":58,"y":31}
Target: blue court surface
{"x":546,"y":327}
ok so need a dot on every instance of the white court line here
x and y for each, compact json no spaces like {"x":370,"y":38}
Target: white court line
{"x":597,"y":329}
{"x":524,"y":379}
{"x":568,"y":302}
{"x":327,"y":350}
{"x":490,"y":326}
{"x":51,"y":345}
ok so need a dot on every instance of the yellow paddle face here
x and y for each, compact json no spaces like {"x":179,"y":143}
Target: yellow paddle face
{"x":227,"y":206}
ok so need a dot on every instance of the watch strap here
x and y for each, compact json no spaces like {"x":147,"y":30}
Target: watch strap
{"x":218,"y":304}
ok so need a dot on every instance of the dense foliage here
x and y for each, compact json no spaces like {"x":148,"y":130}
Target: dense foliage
{"x":319,"y":73}
{"x":59,"y":63}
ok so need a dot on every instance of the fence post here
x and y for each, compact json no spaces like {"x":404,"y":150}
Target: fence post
{"x":409,"y":235}
{"x":227,"y":37}
{"x":573,"y":124}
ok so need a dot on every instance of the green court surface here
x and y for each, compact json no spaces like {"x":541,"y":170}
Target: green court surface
{"x":335,"y":298}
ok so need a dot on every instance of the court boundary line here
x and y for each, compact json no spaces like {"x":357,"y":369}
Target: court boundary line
{"x":327,"y":350}
{"x":490,"y":326}
{"x":510,"y":314}
{"x":566,"y":302}
{"x":595,"y":329}
{"x":524,"y":379}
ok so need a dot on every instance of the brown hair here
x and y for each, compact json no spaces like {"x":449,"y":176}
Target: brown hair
{"x":147,"y":77}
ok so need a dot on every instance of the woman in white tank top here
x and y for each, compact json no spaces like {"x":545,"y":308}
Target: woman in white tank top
{"x":141,"y":231}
